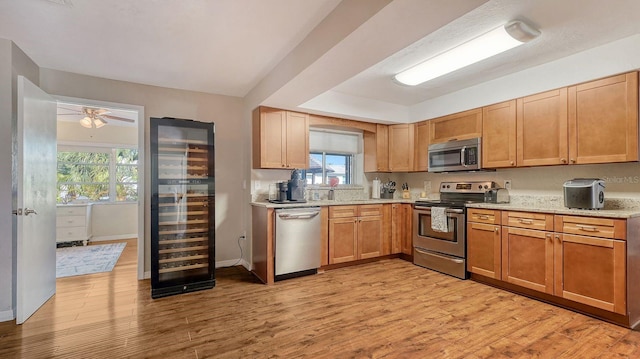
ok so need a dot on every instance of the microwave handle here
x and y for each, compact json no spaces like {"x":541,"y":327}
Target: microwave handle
{"x":463,"y":158}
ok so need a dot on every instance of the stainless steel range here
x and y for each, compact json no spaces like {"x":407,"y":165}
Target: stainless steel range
{"x":439,"y":227}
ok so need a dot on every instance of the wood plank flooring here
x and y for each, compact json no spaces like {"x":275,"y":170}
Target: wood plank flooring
{"x":387,"y":309}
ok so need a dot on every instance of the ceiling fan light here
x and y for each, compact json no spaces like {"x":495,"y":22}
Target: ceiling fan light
{"x":496,"y":41}
{"x":99,"y":122}
{"x":86,"y":122}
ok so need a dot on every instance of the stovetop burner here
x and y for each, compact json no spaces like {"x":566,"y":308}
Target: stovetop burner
{"x":457,"y":194}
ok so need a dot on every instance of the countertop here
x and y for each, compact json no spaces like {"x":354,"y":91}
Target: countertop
{"x":322,"y":203}
{"x":608,"y":213}
{"x":540,"y":205}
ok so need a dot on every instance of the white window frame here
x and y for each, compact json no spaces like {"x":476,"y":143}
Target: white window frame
{"x":111,"y":150}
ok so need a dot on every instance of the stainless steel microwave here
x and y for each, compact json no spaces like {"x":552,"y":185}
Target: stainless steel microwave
{"x":463,"y":155}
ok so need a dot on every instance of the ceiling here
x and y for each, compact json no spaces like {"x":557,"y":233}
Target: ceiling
{"x":239,"y":47}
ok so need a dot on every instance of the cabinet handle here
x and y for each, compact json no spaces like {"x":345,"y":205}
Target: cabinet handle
{"x":482,"y":216}
{"x":563,"y":160}
{"x":573,"y":160}
{"x":586,"y":228}
{"x":525,"y":221}
{"x":558,"y":238}
{"x":496,"y":229}
{"x":513,"y":163}
{"x":549,"y":236}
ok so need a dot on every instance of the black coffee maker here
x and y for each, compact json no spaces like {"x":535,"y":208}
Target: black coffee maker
{"x":296,"y":187}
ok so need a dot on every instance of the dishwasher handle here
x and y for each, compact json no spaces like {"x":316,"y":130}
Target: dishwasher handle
{"x":299,"y":215}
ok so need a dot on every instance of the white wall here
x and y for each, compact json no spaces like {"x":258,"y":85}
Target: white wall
{"x":111,"y":221}
{"x":13,"y":62}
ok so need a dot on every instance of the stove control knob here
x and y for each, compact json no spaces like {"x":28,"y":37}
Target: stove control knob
{"x":485,"y":186}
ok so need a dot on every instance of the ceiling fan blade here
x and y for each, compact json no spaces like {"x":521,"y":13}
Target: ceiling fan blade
{"x":118,"y":118}
{"x":70,"y":114}
{"x":101,"y":111}
{"x":70,"y":109}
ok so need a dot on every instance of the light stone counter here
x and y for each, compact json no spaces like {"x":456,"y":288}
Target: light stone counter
{"x":322,"y":203}
{"x":614,"y":207}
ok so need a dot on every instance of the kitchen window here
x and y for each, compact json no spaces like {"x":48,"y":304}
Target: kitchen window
{"x":335,"y":156}
{"x":97,"y":174}
{"x":325,"y":167}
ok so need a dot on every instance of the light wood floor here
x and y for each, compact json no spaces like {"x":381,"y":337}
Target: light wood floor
{"x":388,"y":309}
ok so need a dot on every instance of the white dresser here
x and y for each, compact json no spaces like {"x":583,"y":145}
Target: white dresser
{"x":73,"y":223}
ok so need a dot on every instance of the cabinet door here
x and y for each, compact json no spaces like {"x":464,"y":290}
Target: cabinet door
{"x":402,"y":241}
{"x":376,"y":149}
{"x":542,"y":129}
{"x":603,"y":120}
{"x":269,"y":134}
{"x":343,"y":240}
{"x":527,"y":258}
{"x":483,"y":249}
{"x":459,"y":126}
{"x":401,"y":147}
{"x":297,"y":144}
{"x":499,"y":135}
{"x":369,"y":237}
{"x":421,"y":147}
{"x":591,"y":271}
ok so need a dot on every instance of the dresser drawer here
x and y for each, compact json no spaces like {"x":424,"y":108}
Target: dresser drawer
{"x":71,"y":221}
{"x":479,"y":215}
{"x":71,"y":233}
{"x":71,"y":211}
{"x":529,"y":220}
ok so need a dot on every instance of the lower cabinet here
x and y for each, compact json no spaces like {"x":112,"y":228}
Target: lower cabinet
{"x":355,"y":232}
{"x":544,"y":253}
{"x":401,"y":235}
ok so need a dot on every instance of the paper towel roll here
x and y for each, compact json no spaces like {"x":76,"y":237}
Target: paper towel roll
{"x":375,"y":189}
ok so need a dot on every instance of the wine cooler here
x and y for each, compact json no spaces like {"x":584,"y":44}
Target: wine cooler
{"x":182,"y":206}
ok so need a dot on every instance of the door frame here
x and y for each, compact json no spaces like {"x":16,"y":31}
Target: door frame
{"x":142,"y":182}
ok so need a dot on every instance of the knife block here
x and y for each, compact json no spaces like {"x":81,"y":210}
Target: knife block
{"x":406,"y":194}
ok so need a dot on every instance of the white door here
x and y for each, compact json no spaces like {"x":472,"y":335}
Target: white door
{"x":36,"y":199}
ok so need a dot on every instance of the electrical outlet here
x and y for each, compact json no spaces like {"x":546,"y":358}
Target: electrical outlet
{"x":256,"y":185}
{"x":507,"y":184}
{"x":427,"y":186}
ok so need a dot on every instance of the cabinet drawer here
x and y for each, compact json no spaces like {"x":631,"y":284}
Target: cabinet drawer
{"x":71,"y":211}
{"x":70,"y":233}
{"x":483,"y":216}
{"x":70,"y":221}
{"x":592,"y":226}
{"x":366,"y":210}
{"x":343,"y":211}
{"x":540,"y":221}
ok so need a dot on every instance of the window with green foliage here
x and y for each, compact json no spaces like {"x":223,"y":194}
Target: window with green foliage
{"x":97,"y":174}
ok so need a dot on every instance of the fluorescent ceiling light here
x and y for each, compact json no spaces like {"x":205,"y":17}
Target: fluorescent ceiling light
{"x":489,"y":44}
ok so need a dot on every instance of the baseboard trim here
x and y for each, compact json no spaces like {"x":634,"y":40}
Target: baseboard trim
{"x":113,"y":238}
{"x":7,"y":315}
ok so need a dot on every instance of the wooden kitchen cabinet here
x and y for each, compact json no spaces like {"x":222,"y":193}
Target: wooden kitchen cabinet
{"x":401,"y":151}
{"x":590,"y":261}
{"x":401,"y":224}
{"x":541,"y":125}
{"x":484,"y":243}
{"x":376,"y":149}
{"x":527,"y":250}
{"x":421,"y":147}
{"x":458,"y":126}
{"x":280,"y":139}
{"x":355,"y":232}
{"x":499,"y":135}
{"x":603,"y":120}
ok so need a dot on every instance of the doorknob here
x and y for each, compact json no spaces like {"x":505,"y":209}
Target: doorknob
{"x":28,"y":211}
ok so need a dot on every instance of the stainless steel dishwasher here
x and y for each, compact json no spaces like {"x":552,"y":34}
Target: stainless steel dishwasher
{"x":298,"y":243}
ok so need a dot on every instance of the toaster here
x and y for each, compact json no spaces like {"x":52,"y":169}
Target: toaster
{"x":584,"y":193}
{"x":497,"y":195}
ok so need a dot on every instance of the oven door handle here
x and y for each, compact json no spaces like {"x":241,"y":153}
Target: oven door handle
{"x":449,"y":211}
{"x":456,"y":260}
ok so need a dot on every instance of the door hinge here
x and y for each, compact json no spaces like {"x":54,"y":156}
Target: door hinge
{"x":17,"y":212}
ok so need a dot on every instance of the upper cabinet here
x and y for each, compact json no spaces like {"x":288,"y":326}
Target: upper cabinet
{"x":459,"y":126}
{"x":421,"y":146}
{"x":603,"y":120}
{"x":499,"y":135}
{"x":401,"y":139}
{"x":542,"y":129}
{"x":376,"y":149}
{"x":280,"y":139}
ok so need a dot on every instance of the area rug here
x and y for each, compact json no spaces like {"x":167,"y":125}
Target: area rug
{"x":72,"y":261}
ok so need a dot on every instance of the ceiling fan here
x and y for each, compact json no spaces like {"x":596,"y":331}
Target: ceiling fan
{"x":93,"y":117}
